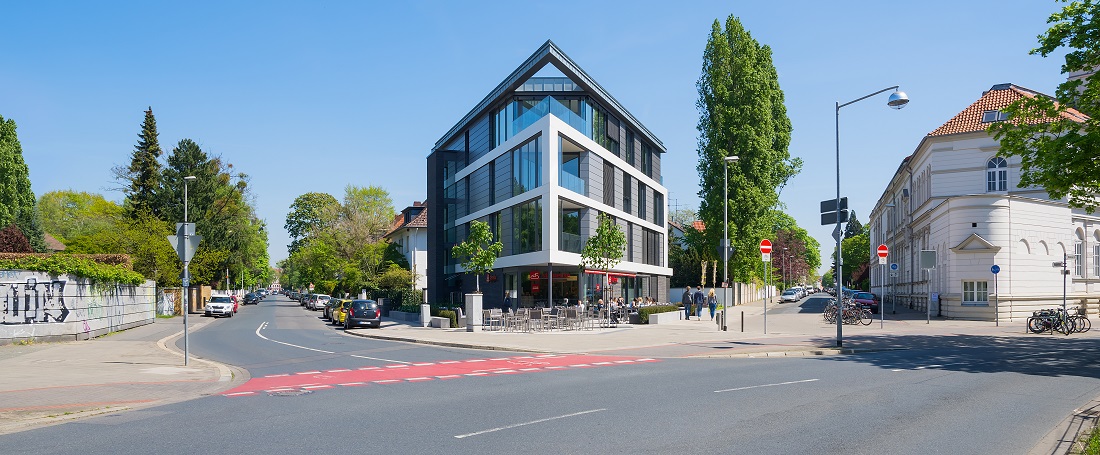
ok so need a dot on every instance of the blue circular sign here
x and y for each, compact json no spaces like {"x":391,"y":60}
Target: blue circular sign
{"x":995,"y":269}
{"x":894,"y":266}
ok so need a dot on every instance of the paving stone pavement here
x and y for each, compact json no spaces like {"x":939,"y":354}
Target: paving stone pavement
{"x":43,"y":384}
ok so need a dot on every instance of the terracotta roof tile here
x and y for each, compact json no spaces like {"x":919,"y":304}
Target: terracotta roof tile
{"x":419,"y":221}
{"x":699,"y":225}
{"x":998,"y":97}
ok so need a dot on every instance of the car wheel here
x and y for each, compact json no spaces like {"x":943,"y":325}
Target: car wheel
{"x":376,"y":325}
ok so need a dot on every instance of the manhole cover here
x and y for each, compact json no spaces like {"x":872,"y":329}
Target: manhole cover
{"x":289,"y":393}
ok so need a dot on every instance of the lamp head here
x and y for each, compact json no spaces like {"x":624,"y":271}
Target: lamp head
{"x":898,"y":99}
{"x":731,"y":159}
{"x":190,"y":177}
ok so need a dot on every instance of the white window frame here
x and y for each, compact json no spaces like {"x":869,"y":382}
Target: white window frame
{"x":1096,"y":259}
{"x":996,"y":175}
{"x":1079,"y":258}
{"x":975,"y":292}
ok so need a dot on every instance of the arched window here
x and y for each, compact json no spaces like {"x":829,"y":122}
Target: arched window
{"x":996,"y":174}
{"x":1079,"y":254}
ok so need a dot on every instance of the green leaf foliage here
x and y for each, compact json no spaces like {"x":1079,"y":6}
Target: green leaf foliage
{"x":479,"y":252}
{"x":604,"y":249}
{"x":741,"y":113}
{"x":60,"y":264}
{"x":1059,"y":149}
{"x":69,"y":214}
{"x":17,"y":201}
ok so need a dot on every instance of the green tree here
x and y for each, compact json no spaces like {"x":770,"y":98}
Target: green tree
{"x":604,"y":249}
{"x":1059,"y":148}
{"x":479,"y":252}
{"x":69,"y":214}
{"x":17,"y":202}
{"x":141,"y":179}
{"x":308,"y":212}
{"x":854,"y":227}
{"x":741,"y":113}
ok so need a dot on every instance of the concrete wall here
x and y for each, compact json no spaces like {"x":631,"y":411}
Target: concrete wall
{"x":36,"y":306}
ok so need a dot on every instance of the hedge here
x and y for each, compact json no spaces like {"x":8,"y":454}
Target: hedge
{"x":79,"y":265}
{"x":645,"y":311}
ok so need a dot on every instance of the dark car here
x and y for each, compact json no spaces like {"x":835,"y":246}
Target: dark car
{"x":251,"y":299}
{"x":867,"y":299}
{"x":363,"y":312}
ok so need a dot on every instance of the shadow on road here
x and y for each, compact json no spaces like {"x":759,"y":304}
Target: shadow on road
{"x":1041,"y":354}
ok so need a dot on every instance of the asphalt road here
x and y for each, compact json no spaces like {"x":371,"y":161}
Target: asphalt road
{"x":950,"y":395}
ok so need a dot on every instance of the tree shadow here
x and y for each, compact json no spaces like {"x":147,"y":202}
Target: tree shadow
{"x":1034,"y":354}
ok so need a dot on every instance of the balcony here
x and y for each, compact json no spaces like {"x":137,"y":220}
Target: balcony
{"x":572,"y":183}
{"x":571,"y":243}
{"x":551,"y":106}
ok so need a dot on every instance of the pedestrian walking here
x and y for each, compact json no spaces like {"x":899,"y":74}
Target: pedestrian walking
{"x":712,"y":303}
{"x":699,"y":299}
{"x":686,"y":300}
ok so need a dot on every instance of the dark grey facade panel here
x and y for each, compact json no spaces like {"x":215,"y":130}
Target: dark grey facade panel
{"x":657,"y":166}
{"x":592,"y":171}
{"x":649,"y":204}
{"x":638,"y":154}
{"x":503,"y":177}
{"x":589,"y":218}
{"x":480,"y":138}
{"x":637,"y":245}
{"x":480,"y":197}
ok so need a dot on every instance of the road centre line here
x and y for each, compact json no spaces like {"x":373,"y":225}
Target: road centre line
{"x":476,"y":433}
{"x":264,"y":325}
{"x":764,"y":385}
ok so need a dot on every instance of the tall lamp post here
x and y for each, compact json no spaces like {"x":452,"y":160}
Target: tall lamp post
{"x":897,"y":100}
{"x":186,"y":277}
{"x":726,"y":233}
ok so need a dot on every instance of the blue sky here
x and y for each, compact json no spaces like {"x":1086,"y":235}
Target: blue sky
{"x":314,"y":96}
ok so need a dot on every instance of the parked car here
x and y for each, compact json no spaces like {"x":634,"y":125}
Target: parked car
{"x":251,"y":299}
{"x":326,"y":312}
{"x":363,"y":312}
{"x":303,"y":299}
{"x":220,"y":305}
{"x":338,"y":309}
{"x":867,"y":299}
{"x":317,"y":302}
{"x":790,"y":295}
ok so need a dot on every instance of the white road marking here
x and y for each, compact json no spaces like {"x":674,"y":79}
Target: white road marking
{"x":264,"y":326}
{"x":476,"y":433}
{"x":238,"y":394}
{"x":764,"y":385}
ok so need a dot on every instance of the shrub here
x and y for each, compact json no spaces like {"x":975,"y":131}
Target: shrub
{"x":60,"y":264}
{"x":450,"y":315}
{"x":645,"y":311}
{"x":12,"y":240}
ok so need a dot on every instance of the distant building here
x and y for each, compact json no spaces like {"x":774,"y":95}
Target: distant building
{"x":538,"y":159}
{"x":410,"y":234}
{"x":52,"y":244}
{"x":956,"y":197}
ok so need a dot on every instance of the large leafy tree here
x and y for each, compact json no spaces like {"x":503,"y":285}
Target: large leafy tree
{"x":741,"y":113}
{"x":308,"y":212}
{"x":17,"y":202}
{"x":141,"y":179}
{"x":1058,"y":147}
{"x":69,"y":214}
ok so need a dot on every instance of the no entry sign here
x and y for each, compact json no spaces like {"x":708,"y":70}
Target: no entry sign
{"x":883,"y":251}
{"x":765,"y":246}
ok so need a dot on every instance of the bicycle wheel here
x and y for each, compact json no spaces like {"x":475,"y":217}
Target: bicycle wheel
{"x":1084,"y":324}
{"x":1035,"y":325}
{"x":865,"y":316}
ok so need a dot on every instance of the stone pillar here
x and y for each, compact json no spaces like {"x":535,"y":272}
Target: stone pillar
{"x":473,"y":312}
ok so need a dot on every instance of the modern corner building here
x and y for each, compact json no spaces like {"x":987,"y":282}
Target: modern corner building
{"x":538,"y":159}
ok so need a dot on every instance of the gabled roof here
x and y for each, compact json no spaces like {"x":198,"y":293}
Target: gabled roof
{"x":699,"y":225}
{"x":996,"y":98}
{"x":419,"y":221}
{"x":974,"y":243}
{"x":52,"y":243}
{"x":549,"y":53}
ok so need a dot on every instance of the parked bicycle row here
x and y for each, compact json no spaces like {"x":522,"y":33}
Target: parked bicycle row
{"x":1058,"y":320}
{"x":853,"y":313}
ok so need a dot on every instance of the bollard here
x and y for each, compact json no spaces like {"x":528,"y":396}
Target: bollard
{"x":742,"y":321}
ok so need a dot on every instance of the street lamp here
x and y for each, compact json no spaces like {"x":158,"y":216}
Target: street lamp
{"x":726,"y":232}
{"x":897,"y":100}
{"x":186,"y":281}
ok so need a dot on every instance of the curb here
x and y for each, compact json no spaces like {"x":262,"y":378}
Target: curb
{"x":226,"y":373}
{"x":1064,"y":436}
{"x":799,"y":353}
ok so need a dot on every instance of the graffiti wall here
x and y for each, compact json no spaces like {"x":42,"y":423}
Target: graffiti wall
{"x":35,"y":305}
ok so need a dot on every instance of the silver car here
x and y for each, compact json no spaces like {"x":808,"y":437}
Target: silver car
{"x":219,"y":305}
{"x":790,"y":295}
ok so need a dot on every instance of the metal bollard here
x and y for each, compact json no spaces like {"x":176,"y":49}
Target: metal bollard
{"x":742,"y":321}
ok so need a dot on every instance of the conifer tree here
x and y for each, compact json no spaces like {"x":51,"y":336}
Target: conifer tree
{"x":17,"y":201}
{"x":142,"y":178}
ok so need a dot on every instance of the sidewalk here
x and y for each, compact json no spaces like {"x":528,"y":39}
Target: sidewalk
{"x":789,"y":333}
{"x":47,"y":383}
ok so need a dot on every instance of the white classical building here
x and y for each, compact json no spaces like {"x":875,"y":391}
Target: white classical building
{"x":955,"y":196}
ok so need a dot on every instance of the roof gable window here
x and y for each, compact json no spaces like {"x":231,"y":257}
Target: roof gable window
{"x":994,"y":116}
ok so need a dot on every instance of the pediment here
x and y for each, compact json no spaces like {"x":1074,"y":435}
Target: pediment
{"x":974,"y":243}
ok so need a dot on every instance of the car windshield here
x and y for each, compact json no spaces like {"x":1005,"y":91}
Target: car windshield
{"x":788,"y":292}
{"x":363,"y":304}
{"x":221,"y":299}
{"x":864,"y":295}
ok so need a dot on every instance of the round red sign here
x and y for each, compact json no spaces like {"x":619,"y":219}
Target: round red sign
{"x":883,"y":251}
{"x":765,"y":246}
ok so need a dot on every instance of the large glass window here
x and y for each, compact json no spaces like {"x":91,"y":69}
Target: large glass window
{"x":570,"y":225}
{"x":647,"y":160}
{"x":1096,"y":260}
{"x":641,"y":200}
{"x":976,"y":292}
{"x":658,"y":209}
{"x":570,"y":175}
{"x":527,"y":227}
{"x":526,"y":167}
{"x":629,"y":147}
{"x":626,"y":192}
{"x":1079,"y":257}
{"x":996,"y":174}
{"x":651,"y":247}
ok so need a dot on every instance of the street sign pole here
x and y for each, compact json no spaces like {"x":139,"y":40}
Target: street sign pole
{"x":766,"y":256}
{"x":883,"y":251}
{"x":996,"y":296}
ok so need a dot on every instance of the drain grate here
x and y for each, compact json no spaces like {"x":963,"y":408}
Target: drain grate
{"x":290,"y":393}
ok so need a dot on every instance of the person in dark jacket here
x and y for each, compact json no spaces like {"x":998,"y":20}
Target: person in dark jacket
{"x":686,"y":300}
{"x":699,"y":300}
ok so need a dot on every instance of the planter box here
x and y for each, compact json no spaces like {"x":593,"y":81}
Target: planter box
{"x":440,"y":323}
{"x":665,"y":318}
